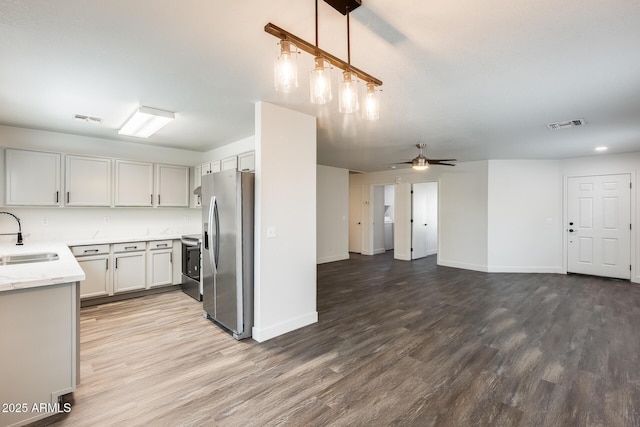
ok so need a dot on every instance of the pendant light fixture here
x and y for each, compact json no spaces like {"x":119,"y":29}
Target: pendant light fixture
{"x":320,"y":79}
{"x":348,"y":90}
{"x":286,"y":68}
{"x":371,"y":108}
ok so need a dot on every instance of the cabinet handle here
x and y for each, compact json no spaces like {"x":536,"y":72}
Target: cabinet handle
{"x":67,"y":197}
{"x":116,"y":263}
{"x":107,"y":259}
{"x":152,"y":199}
{"x":158,"y":200}
{"x":162,"y":245}
{"x":170,"y":258}
{"x":57,"y":197}
{"x":86,"y":251}
{"x":130,"y":247}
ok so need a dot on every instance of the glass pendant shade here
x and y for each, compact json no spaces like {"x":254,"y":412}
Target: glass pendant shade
{"x":348,"y":93}
{"x":286,"y":68}
{"x":371,"y":108}
{"x":320,"y":82}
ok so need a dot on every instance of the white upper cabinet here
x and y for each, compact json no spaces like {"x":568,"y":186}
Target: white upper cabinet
{"x":247,"y":162}
{"x":205,"y":168}
{"x":215,"y":166}
{"x":87,"y":181}
{"x":134,"y":183}
{"x":230,"y":163}
{"x":32,"y":178}
{"x":172,"y":185}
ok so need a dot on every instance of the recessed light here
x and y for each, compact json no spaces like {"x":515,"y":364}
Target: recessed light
{"x":602,"y":148}
{"x":392,"y":167}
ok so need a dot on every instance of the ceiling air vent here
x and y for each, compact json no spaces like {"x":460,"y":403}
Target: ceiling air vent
{"x":564,"y":125}
{"x":88,"y":119}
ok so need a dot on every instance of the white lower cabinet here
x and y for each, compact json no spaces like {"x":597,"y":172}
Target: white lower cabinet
{"x":96,"y":270}
{"x":129,"y":270}
{"x":123,"y":267}
{"x":160,"y":263}
{"x":94,"y":261}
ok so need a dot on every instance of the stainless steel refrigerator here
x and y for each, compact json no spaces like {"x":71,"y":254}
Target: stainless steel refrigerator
{"x":227,"y":250}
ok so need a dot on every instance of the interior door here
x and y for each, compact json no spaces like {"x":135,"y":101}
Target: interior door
{"x":599,"y":225}
{"x":419,"y":224}
{"x":355,"y":219}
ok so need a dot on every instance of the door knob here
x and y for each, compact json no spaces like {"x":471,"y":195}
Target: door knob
{"x":571,"y":230}
{"x":425,"y":225}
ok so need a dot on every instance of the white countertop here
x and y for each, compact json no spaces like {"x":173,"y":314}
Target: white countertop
{"x":36,"y":274}
{"x":128,"y":239}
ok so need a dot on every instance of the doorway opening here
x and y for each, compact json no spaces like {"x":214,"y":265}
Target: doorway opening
{"x":383,"y":207}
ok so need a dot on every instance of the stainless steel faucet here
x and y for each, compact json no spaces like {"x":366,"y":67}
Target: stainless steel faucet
{"x":19,"y":233}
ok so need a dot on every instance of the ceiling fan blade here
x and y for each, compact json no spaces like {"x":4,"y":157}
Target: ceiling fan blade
{"x":442,"y":160}
{"x":401,"y":163}
{"x":441,"y":164}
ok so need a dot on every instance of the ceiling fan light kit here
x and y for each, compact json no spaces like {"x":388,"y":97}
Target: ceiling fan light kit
{"x":285,"y":70}
{"x":421,"y":163}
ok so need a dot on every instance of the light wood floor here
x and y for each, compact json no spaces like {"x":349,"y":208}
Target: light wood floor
{"x":398,"y":343}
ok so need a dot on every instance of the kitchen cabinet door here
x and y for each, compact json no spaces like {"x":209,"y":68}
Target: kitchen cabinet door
{"x":129,"y":272}
{"x":96,"y":270}
{"x":230,"y":163}
{"x":172,"y":186}
{"x":134,"y":183}
{"x":87,"y":181}
{"x":216,"y":166}
{"x":160,"y":264}
{"x":205,"y":168}
{"x":247,"y":162}
{"x":32,"y":178}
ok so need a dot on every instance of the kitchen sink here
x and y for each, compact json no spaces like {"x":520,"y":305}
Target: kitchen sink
{"x":27,"y":258}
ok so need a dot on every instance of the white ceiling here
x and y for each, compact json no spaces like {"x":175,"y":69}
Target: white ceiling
{"x":472,"y":79}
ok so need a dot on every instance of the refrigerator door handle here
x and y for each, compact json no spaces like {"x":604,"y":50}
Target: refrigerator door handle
{"x":209,"y":235}
{"x":216,"y":252}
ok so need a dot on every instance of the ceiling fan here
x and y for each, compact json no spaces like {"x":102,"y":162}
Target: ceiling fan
{"x":421,"y":163}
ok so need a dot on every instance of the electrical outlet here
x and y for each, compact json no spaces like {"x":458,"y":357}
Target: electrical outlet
{"x":45,"y":221}
{"x":106,"y":220}
{"x":272,"y":231}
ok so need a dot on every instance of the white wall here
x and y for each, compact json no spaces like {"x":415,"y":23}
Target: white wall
{"x":462,"y":231}
{"x":332,"y":213}
{"x":462,"y":236}
{"x":68,"y":223}
{"x":525,"y":216}
{"x":231,"y":149}
{"x":285,"y":266}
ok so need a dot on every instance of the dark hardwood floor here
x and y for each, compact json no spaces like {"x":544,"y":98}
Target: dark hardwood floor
{"x":398,"y":343}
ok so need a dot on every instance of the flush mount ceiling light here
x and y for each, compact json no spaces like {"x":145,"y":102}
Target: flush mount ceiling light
{"x":285,"y":71}
{"x":602,"y":148}
{"x":145,"y":122}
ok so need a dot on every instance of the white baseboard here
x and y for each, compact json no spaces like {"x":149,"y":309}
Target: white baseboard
{"x":465,"y":266}
{"x":379,"y":251}
{"x":332,"y":258}
{"x":432,"y":252}
{"x":402,"y":257}
{"x":264,"y":334}
{"x":522,"y":269}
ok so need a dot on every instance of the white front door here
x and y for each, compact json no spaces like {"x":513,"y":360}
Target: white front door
{"x":419,"y":224}
{"x":599,"y":225}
